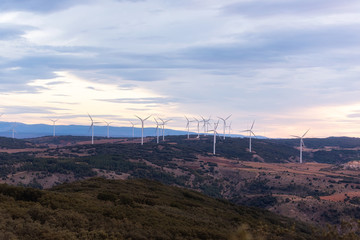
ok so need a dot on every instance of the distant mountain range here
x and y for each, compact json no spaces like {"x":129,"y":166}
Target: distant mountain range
{"x":38,"y":130}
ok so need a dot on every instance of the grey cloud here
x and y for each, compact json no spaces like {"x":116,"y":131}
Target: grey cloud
{"x":273,"y":47}
{"x":25,"y":110}
{"x":43,"y":6}
{"x":260,"y":8}
{"x":61,"y":95}
{"x":154,"y":100}
{"x":67,"y":103}
{"x":6,"y":33}
{"x":92,"y":88}
{"x":102,"y":116}
{"x":354,"y":115}
{"x":127,"y":86}
{"x":56,"y":83}
{"x":137,"y":109}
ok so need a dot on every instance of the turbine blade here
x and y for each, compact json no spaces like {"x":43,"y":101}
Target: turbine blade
{"x":147,"y":117}
{"x":252,"y":125}
{"x":305,"y":133}
{"x":228,"y":117}
{"x":90,"y":117}
{"x":295,"y":136}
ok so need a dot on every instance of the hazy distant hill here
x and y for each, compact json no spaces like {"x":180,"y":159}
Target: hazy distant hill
{"x":38,"y":130}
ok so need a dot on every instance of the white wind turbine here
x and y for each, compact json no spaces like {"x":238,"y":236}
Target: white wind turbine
{"x":198,"y":127}
{"x":208,"y":123}
{"x":205,"y":124}
{"x":301,"y":143}
{"x":251,"y":133}
{"x":13,"y":130}
{"x":92,"y":129}
{"x":142,"y":128}
{"x":157,"y":130}
{"x":188,"y":127}
{"x":229,"y":129}
{"x":54,"y":122}
{"x":108,"y":128}
{"x":132,"y":125}
{"x":215,"y":132}
{"x":224,"y":120}
{"x":163,"y":127}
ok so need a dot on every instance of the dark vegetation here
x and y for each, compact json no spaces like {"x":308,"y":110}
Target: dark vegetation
{"x":341,"y":142}
{"x":134,"y":209}
{"x":14,"y":143}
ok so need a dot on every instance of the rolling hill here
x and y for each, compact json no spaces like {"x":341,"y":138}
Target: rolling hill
{"x":135,"y":209}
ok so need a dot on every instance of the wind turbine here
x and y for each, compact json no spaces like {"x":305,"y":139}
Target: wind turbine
{"x":157,"y":130}
{"x":250,"y":134}
{"x":215,"y":132}
{"x":163,"y":127}
{"x":229,"y":129}
{"x":132,"y":124}
{"x":13,"y":130}
{"x":92,"y":129}
{"x":224,"y":120}
{"x":188,"y":127}
{"x":205,"y":122}
{"x":108,"y":128}
{"x":198,"y":127}
{"x":301,"y":143}
{"x":142,"y":127}
{"x":54,"y":122}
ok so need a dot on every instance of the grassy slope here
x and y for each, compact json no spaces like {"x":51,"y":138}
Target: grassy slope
{"x":133,"y":209}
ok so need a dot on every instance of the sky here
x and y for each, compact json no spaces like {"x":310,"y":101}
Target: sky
{"x":290,"y":65}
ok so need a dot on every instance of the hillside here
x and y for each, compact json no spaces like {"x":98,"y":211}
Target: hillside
{"x":133,"y":209}
{"x":269,"y":178}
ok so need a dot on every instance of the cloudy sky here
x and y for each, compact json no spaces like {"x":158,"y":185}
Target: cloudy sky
{"x":289,"y":64}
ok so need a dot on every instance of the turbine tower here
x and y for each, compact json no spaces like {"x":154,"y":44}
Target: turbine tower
{"x":13,"y":130}
{"x":198,"y":127}
{"x":301,"y":143}
{"x":224,"y":120}
{"x":132,"y":125}
{"x":92,"y":129}
{"x":215,"y":132}
{"x":54,"y":122}
{"x":251,"y":133}
{"x":142,"y":127}
{"x":108,"y":128}
{"x":163,"y":127}
{"x":157,"y":130}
